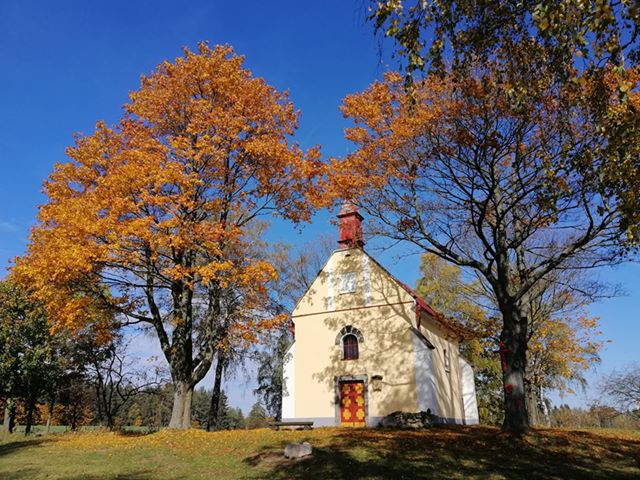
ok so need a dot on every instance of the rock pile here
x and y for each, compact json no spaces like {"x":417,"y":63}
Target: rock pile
{"x":407,"y":420}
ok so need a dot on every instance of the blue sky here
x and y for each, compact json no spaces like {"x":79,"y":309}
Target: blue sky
{"x":67,"y":64}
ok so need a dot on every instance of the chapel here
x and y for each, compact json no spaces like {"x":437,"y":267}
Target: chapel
{"x":367,"y":345}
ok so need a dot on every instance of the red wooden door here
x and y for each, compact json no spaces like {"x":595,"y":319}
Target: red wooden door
{"x":352,"y":411}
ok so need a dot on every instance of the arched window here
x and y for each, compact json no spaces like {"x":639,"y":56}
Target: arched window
{"x":349,"y":340}
{"x":350,"y":347}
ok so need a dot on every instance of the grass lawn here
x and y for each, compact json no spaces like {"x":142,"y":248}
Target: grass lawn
{"x":439,"y":453}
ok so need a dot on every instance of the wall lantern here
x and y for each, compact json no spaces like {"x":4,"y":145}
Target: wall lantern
{"x":376,"y":383}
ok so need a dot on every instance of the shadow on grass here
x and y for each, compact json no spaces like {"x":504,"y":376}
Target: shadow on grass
{"x":27,"y":474}
{"x":13,"y":446}
{"x":129,"y":433}
{"x":446,"y":453}
{"x":142,"y":475}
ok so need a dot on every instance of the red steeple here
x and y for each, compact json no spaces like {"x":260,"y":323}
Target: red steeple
{"x":350,"y":226}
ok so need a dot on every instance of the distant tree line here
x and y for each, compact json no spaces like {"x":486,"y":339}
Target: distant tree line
{"x":87,"y":378}
{"x":78,"y":407}
{"x":595,"y":416}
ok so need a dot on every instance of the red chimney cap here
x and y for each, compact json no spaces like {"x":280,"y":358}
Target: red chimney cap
{"x":349,"y":208}
{"x":350,"y":226}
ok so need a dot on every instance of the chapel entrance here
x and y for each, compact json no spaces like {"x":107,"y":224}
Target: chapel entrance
{"x":352,"y":409}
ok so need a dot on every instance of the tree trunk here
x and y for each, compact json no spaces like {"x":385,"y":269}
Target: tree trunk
{"x":514,"y":338}
{"x":73,"y":423}
{"x":181,"y":411}
{"x":49,"y":415}
{"x":544,"y":408}
{"x":31,"y":406}
{"x":99,"y":399}
{"x":5,"y":422}
{"x":9,"y":415}
{"x":214,"y":407}
{"x":533,"y":409}
{"x":111,"y":423}
{"x":51,"y":403}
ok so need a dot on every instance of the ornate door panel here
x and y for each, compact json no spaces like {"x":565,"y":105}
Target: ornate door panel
{"x":352,"y":410}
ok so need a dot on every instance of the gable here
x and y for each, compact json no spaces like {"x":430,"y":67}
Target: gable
{"x":351,"y":279}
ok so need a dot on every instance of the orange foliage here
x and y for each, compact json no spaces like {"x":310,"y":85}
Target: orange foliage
{"x":399,"y":133}
{"x":164,"y":197}
{"x":561,"y":349}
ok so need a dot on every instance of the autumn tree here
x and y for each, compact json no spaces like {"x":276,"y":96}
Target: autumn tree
{"x":564,"y":340}
{"x":149,"y":216}
{"x":501,"y":171}
{"x":447,"y":37}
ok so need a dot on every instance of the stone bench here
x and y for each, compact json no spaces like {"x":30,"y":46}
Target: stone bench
{"x":291,"y":425}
